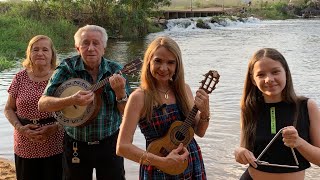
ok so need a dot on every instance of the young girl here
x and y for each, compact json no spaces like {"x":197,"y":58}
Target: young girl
{"x":269,"y":105}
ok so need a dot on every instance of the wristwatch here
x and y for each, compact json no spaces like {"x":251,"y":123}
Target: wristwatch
{"x":124,"y":99}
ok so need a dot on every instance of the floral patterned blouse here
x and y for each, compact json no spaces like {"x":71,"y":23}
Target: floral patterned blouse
{"x":27,"y":94}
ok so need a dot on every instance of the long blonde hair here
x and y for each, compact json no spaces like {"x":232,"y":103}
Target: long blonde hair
{"x":27,"y":63}
{"x":148,"y":81}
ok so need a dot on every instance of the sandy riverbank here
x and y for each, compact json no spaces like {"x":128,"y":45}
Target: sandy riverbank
{"x":7,"y":170}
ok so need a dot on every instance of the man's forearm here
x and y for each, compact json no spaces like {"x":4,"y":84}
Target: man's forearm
{"x":51,"y":104}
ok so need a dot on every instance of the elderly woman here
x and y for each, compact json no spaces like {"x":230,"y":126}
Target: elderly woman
{"x":37,"y":136}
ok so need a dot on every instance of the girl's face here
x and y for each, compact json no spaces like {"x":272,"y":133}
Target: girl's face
{"x":163,"y":65}
{"x":270,"y":78}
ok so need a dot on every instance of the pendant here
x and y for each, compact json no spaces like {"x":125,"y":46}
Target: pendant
{"x":166,"y":96}
{"x":75,"y":160}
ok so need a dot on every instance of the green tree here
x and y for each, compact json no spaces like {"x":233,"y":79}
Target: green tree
{"x":138,"y":12}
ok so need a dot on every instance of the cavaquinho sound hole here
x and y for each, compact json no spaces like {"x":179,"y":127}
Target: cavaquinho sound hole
{"x":177,"y":136}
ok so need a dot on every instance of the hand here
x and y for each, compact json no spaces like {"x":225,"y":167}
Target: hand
{"x":118,"y":83}
{"x":290,"y":137}
{"x":202,"y":102}
{"x":30,"y":131}
{"x":177,"y":156}
{"x":44,"y":132}
{"x":244,"y":156}
{"x":82,"y":98}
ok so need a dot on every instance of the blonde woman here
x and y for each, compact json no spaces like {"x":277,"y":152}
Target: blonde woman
{"x":163,"y":98}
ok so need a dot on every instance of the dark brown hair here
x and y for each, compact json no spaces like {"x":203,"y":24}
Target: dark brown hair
{"x":251,"y":95}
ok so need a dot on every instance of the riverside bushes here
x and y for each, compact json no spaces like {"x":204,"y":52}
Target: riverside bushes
{"x":17,"y":31}
{"x":59,"y":19}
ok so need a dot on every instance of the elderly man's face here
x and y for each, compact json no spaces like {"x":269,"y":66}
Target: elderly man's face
{"x":91,"y":48}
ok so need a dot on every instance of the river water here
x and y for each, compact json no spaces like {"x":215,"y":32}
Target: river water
{"x":227,"y":49}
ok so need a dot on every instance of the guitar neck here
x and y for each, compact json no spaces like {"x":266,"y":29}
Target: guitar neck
{"x":189,"y":120}
{"x":208,"y":85}
{"x":127,"y":69}
{"x":101,"y":83}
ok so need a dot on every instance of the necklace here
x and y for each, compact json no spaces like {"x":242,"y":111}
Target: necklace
{"x":166,"y":95}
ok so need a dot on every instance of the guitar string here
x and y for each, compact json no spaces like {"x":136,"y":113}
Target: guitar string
{"x":183,"y":128}
{"x":125,"y":70}
{"x":193,"y":113}
{"x":195,"y":109}
{"x":101,"y":83}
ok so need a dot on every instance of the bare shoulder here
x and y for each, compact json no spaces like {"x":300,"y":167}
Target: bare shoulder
{"x":313,"y":110}
{"x":189,"y":92}
{"x":135,"y":104}
{"x":312,"y":104}
{"x":188,"y":89}
{"x":137,"y":96}
{"x":137,"y":93}
{"x":187,"y":86}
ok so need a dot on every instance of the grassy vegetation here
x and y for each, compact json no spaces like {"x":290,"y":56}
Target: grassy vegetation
{"x":6,"y":64}
{"x":16,"y":31}
{"x":19,"y":22}
{"x":276,"y":11}
{"x":186,"y":4}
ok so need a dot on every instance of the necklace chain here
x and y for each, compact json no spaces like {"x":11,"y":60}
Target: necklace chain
{"x":166,"y":95}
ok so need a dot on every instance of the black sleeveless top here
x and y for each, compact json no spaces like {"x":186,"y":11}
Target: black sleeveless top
{"x":278,"y":153}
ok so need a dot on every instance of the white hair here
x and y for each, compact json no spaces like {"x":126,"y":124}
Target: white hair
{"x":77,"y":35}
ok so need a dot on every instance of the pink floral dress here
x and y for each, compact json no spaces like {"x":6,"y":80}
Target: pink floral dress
{"x":27,"y":94}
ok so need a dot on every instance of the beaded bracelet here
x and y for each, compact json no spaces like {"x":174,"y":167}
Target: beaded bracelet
{"x":145,"y":161}
{"x":141,"y":158}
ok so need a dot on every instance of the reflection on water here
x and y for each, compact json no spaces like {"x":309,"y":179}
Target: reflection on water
{"x":125,"y":51}
{"x":227,"y":50}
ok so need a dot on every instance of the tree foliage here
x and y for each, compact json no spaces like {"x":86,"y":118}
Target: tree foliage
{"x":128,"y":18}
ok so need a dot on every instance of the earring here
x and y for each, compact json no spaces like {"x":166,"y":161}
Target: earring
{"x":173,"y":77}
